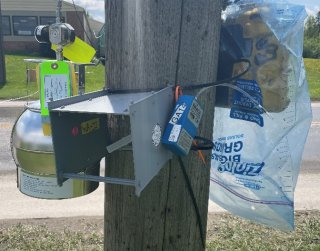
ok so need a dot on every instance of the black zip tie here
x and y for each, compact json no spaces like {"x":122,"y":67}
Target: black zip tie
{"x":202,"y":144}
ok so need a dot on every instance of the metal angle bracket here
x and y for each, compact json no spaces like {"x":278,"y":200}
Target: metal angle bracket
{"x":79,"y":133}
{"x":119,"y":144}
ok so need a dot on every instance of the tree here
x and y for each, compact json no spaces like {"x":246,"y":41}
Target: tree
{"x":312,"y":26}
{"x":2,"y":61}
{"x":311,"y":47}
{"x":150,"y":44}
{"x":318,"y":20}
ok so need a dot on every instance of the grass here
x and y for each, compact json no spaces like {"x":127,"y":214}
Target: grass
{"x":313,"y":77}
{"x":16,"y":78}
{"x":233,"y":233}
{"x":225,"y":232}
{"x":39,"y":238}
{"x":16,"y":85}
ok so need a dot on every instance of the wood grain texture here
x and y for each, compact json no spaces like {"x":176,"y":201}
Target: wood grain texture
{"x":148,"y":45}
{"x":2,"y":62}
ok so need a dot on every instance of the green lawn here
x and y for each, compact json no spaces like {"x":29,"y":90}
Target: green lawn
{"x":16,"y":78}
{"x":16,"y":85}
{"x":313,"y":76}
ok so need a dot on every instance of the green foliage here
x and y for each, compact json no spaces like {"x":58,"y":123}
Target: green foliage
{"x":311,"y":48}
{"x":312,"y":26}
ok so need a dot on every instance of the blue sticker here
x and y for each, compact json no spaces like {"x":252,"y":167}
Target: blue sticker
{"x":243,"y":107}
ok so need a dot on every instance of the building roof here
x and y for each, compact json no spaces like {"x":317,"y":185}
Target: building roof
{"x":38,"y":5}
{"x":95,"y":25}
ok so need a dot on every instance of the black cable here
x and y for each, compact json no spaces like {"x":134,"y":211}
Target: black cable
{"x":193,"y":86}
{"x":75,"y":8}
{"x":194,"y":201}
{"x":205,"y":144}
{"x":228,"y":80}
{"x":179,"y":43}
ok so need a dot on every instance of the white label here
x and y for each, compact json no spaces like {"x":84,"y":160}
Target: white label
{"x":185,"y":141}
{"x":55,"y":87}
{"x":195,"y":113}
{"x":174,"y":134}
{"x":44,"y":187}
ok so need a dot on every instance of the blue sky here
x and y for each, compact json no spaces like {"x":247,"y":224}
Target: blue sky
{"x":96,"y":7}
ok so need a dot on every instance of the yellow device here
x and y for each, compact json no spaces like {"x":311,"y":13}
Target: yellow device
{"x":78,"y":51}
{"x":62,"y":36}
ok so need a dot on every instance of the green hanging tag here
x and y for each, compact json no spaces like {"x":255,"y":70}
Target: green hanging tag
{"x":55,"y":83}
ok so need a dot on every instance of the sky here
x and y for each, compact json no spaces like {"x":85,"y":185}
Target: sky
{"x":96,"y":7}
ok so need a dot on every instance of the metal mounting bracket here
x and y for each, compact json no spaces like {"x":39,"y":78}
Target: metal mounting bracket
{"x":79,"y":133}
{"x":119,"y":144}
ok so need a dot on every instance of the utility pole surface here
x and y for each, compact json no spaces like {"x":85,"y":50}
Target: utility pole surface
{"x":150,"y":44}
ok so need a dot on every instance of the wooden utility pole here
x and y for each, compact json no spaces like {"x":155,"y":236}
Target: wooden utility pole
{"x":150,"y":44}
{"x":2,"y":62}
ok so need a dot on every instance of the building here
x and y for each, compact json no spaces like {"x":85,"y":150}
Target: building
{"x":20,"y":17}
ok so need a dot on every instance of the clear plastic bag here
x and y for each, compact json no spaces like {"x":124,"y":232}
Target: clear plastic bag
{"x":257,"y":151}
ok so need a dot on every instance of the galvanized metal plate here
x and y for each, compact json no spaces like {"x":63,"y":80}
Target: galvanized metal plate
{"x":106,"y":103}
{"x":148,"y":119}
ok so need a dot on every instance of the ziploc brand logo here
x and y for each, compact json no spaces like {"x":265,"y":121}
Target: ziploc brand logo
{"x":246,"y":169}
{"x":178,"y":113}
{"x":226,"y":153}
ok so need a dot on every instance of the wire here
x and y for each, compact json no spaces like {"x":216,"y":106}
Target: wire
{"x":82,"y":26}
{"x":193,"y":86}
{"x":179,"y":43}
{"x":13,"y":99}
{"x":200,"y":154}
{"x":228,"y":80}
{"x":239,"y":90}
{"x":194,"y":201}
{"x":94,"y":33}
{"x":178,"y":92}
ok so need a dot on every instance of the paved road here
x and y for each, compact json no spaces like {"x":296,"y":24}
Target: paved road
{"x":311,"y":152}
{"x":14,"y":205}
